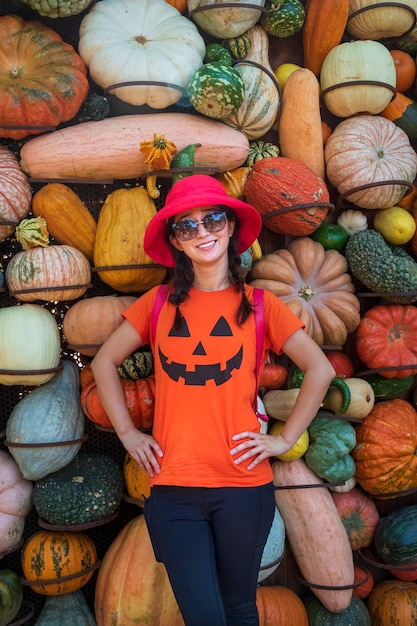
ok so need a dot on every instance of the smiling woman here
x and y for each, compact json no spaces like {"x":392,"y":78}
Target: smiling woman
{"x":205,"y":348}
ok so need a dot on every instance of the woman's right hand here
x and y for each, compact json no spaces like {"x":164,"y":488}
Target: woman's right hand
{"x":144,"y":449}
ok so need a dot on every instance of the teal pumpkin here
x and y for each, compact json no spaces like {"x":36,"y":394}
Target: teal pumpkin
{"x":70,"y":609}
{"x":396,"y":536}
{"x":11,"y":596}
{"x":356,"y":614}
{"x":50,"y":413}
{"x":331,"y":441}
{"x":274,"y":547}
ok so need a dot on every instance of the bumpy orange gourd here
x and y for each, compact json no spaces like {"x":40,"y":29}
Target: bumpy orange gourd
{"x":119,"y":242}
{"x":280,"y":605}
{"x":136,"y":479}
{"x":139,"y":397}
{"x":88,"y":322}
{"x":132,"y":588}
{"x":315,"y":284}
{"x":49,"y":556}
{"x":43,"y":80}
{"x":69,"y":221}
{"x":282,"y":184}
{"x":387,"y":337}
{"x":385,"y":451}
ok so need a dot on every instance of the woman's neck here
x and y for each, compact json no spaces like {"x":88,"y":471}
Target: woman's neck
{"x":211,"y":281}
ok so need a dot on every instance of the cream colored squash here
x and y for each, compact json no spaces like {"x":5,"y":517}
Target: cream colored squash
{"x":352,"y":61}
{"x":226,"y":22}
{"x":148,"y":41}
{"x":367,"y":149}
{"x":258,"y":112}
{"x":380,"y":19}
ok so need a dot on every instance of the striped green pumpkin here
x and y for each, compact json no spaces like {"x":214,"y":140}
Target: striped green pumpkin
{"x":261,"y":150}
{"x":396,"y":536}
{"x":140,"y":364}
{"x":216,"y":90}
{"x":239,"y":46}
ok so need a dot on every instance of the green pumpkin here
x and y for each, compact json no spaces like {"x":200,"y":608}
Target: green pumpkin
{"x":11,"y":596}
{"x":331,"y":441}
{"x":261,"y":150}
{"x":396,"y":536}
{"x":88,"y":489}
{"x":49,"y":414}
{"x":388,"y":388}
{"x":140,"y":364}
{"x":356,"y":614}
{"x":69,"y":609}
{"x":331,"y":236}
{"x":239,"y":46}
{"x":283,"y":19}
{"x":216,"y":90}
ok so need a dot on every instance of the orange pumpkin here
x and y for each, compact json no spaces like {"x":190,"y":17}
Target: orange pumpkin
{"x":132,"y":588}
{"x":139,"y":397}
{"x":387,"y":337}
{"x":290,"y":197}
{"x":359,"y":515}
{"x":89,"y":322}
{"x":393,"y":602}
{"x":43,"y":80}
{"x":50,"y":556}
{"x":315,"y":284}
{"x":385,"y":451}
{"x":136,"y":479}
{"x":405,"y":70}
{"x":280,"y":605}
{"x":364,"y":582}
{"x":181,"y":5}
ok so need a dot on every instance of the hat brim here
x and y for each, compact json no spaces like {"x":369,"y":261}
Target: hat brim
{"x":194,"y":194}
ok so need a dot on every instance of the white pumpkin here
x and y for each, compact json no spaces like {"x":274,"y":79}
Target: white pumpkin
{"x":126,"y":41}
{"x":369,"y":149}
{"x":376,"y":19}
{"x":225,"y":22}
{"x":369,"y":62}
{"x":29,"y":340}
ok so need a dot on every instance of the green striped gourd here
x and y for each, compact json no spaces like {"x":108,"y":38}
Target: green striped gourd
{"x":283,"y":19}
{"x":259,"y":109}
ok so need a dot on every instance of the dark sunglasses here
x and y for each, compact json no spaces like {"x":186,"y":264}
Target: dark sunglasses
{"x":185,"y":230}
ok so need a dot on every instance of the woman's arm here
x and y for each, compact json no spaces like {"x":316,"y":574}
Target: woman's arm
{"x":121,"y":343}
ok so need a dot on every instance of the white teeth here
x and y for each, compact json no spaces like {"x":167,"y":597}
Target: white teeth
{"x":206,"y":245}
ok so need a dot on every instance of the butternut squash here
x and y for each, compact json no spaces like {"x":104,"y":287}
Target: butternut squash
{"x":315,"y":532}
{"x":299,"y":129}
{"x":323,"y":29}
{"x":109,"y":149}
{"x":279,"y":403}
{"x":69,"y":221}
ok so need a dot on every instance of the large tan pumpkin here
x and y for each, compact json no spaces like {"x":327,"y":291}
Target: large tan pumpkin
{"x":89,"y":322}
{"x":132,"y":588}
{"x":119,"y":242}
{"x":316,"y":286}
{"x":370,"y":150}
{"x":376,"y":19}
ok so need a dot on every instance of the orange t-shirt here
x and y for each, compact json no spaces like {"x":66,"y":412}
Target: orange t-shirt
{"x":205,"y":383}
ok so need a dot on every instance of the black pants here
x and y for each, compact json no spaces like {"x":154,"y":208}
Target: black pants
{"x":211,"y":542}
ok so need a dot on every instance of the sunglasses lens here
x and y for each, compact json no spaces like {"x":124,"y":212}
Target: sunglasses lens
{"x":188,"y":229}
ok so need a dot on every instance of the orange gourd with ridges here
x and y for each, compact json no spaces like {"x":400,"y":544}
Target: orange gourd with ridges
{"x":281,"y":183}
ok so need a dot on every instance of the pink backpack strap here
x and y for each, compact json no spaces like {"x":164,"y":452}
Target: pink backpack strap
{"x":258,"y":305}
{"x":160,"y":298}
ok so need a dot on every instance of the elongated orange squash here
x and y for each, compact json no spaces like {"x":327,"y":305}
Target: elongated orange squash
{"x":69,"y":221}
{"x":109,"y":148}
{"x":300,"y":131}
{"x":315,"y":531}
{"x":323,"y":29}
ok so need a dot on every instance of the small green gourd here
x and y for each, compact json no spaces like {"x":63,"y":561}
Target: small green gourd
{"x":11,"y":596}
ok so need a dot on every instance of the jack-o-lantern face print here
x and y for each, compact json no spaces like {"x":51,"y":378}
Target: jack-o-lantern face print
{"x":198,"y":366}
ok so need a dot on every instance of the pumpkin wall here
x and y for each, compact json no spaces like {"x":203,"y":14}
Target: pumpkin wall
{"x":316,"y":143}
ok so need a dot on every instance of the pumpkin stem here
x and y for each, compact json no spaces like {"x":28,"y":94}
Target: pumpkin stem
{"x":306,"y":292}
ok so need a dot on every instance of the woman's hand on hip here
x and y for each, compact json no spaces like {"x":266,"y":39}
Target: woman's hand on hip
{"x":257,"y":445}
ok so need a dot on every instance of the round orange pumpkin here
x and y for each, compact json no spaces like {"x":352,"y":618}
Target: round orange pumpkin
{"x":89,"y":322}
{"x":387,"y":337}
{"x":43,"y":80}
{"x":315,"y":284}
{"x":136,"y":479}
{"x":50,"y":556}
{"x":132,"y":588}
{"x":359,"y":515}
{"x":280,"y":605}
{"x":405,"y":70}
{"x":364,"y":582}
{"x":393,"y":602}
{"x":385,"y":451}
{"x":290,"y":197}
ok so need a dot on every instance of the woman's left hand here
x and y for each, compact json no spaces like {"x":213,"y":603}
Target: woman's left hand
{"x":257,"y":445}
